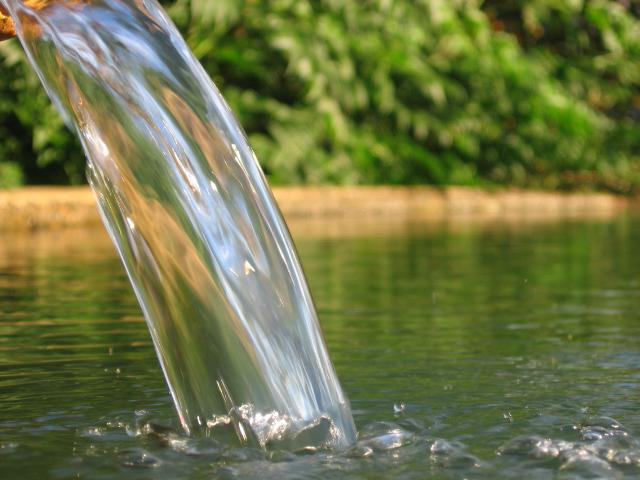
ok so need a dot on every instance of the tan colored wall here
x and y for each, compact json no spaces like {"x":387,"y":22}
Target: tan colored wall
{"x":38,"y":208}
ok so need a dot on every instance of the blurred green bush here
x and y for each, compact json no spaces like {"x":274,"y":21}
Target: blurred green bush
{"x":532,"y":93}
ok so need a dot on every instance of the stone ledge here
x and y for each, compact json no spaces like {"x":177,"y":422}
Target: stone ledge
{"x":37,"y":208}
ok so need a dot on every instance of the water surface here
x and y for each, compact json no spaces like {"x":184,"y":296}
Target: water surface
{"x":477,"y":351}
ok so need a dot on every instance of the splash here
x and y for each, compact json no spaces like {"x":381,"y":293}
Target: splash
{"x":188,"y":208}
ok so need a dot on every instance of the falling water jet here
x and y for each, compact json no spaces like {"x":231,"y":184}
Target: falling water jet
{"x":188,"y":208}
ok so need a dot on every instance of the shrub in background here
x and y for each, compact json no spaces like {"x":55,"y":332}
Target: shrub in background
{"x":541,"y":93}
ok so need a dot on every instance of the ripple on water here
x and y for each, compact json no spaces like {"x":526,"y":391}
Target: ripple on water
{"x":600,"y":447}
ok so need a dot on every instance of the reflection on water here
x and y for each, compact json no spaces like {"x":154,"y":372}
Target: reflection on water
{"x":486,"y":351}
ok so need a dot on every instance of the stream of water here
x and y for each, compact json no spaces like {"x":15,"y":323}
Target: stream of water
{"x":188,"y":208}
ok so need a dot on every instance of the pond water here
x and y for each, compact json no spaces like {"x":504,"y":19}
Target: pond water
{"x":505,"y":350}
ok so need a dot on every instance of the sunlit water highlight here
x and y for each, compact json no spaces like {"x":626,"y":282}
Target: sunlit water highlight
{"x":186,"y":204}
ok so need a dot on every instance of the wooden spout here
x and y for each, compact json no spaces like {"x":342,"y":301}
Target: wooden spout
{"x":7,"y":29}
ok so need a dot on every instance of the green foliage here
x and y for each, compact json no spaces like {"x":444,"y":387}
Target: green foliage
{"x":32,"y":132}
{"x":10,"y":175}
{"x":531,"y":92}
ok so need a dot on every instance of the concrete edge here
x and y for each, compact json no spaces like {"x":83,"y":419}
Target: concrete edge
{"x":41,"y":208}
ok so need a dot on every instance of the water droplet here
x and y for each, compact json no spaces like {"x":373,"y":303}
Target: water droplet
{"x":139,"y":459}
{"x":8,"y":447}
{"x":248,"y":268}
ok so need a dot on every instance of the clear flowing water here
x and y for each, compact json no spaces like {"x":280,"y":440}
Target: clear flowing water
{"x":186,"y":204}
{"x":468,"y":351}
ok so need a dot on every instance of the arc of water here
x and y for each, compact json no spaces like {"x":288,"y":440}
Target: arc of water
{"x":189,"y":210}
